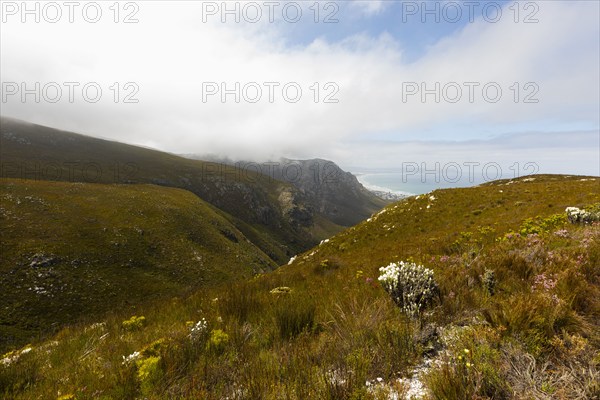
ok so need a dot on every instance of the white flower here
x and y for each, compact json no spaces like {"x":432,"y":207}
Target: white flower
{"x":411,"y":286}
{"x":130,"y":358}
{"x":198,"y":329}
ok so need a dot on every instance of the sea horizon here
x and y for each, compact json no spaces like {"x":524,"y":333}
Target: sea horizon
{"x":399,"y":183}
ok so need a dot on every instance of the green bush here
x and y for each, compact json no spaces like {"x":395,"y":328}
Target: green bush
{"x":539,"y":225}
{"x":134,"y":323}
{"x":473,"y":368}
{"x":148,"y":373}
{"x":218,"y":341}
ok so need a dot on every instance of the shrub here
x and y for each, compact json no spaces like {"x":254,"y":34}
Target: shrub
{"x":153,"y":349}
{"x":326,"y":267}
{"x":217,"y":341}
{"x":134,"y":323}
{"x":468,"y":375}
{"x":489,"y":281}
{"x":198,"y":329}
{"x":472,"y":367}
{"x":539,"y":225}
{"x":576,"y":215}
{"x":148,"y":373}
{"x":411,"y":286}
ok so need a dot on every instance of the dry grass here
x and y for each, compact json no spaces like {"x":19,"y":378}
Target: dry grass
{"x":536,"y":335}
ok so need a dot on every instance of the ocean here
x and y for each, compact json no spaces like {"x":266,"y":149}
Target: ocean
{"x":399,"y":183}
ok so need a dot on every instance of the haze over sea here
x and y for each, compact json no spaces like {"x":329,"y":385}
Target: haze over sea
{"x":406,"y":184}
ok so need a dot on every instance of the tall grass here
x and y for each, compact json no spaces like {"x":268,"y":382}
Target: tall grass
{"x":337,"y":328}
{"x":295,"y":315}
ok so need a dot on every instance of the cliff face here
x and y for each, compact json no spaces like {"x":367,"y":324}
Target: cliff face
{"x":331,"y":191}
{"x":320,"y":188}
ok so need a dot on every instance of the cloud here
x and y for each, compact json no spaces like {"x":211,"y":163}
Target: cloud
{"x":550,"y":152}
{"x":171,"y":55}
{"x":369,"y":7}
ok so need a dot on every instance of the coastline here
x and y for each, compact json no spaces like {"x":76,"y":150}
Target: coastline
{"x":363,"y":179}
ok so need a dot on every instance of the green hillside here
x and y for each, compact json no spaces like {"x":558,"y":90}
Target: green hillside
{"x":515,"y":314}
{"x":74,"y":250}
{"x":276,"y":216}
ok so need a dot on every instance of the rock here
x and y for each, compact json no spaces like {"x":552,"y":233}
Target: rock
{"x":40,"y":260}
{"x":428,"y":337}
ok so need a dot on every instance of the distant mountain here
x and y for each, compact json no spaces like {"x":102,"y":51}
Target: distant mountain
{"x":335,"y":193}
{"x":326,"y":188}
{"x":280,"y":218}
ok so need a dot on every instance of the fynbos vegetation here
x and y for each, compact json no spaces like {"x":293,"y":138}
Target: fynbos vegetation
{"x":507,"y":304}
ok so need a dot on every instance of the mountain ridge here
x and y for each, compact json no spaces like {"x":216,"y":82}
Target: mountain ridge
{"x":274,"y":214}
{"x":335,"y":193}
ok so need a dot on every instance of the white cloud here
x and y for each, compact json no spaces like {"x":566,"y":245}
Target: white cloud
{"x":171,"y":53}
{"x":369,"y":7}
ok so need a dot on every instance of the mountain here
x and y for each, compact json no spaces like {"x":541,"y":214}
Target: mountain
{"x":335,"y":193}
{"x":90,"y":246}
{"x":510,"y":310}
{"x":276,"y":216}
{"x":327,"y":189}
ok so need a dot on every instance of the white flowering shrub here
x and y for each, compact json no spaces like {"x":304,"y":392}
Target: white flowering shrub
{"x":411,"y":286}
{"x":131,"y":358}
{"x":577,"y":215}
{"x":198,"y":329}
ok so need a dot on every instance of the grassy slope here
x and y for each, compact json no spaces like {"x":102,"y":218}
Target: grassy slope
{"x":410,"y":228}
{"x":103,"y":247}
{"x":335,"y":296}
{"x":40,"y":153}
{"x":253,"y":201}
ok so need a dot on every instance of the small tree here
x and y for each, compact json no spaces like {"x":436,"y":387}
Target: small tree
{"x":411,"y":286}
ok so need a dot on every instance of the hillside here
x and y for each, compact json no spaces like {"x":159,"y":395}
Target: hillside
{"x":335,"y":193}
{"x":515,"y":315}
{"x":327,"y":189}
{"x":274,"y":215}
{"x":74,"y":250}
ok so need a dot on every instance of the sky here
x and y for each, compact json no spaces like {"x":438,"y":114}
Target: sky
{"x":372,"y":85}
